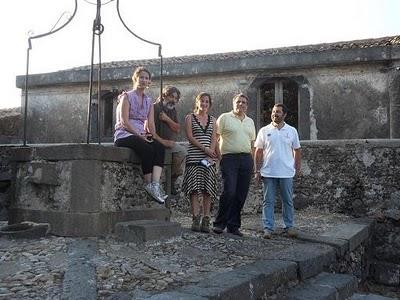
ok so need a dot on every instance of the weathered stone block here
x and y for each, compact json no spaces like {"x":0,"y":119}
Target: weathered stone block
{"x":310,"y":258}
{"x":85,"y":224}
{"x":325,"y":286}
{"x":355,"y":234}
{"x":341,"y":246}
{"x":86,"y":178}
{"x":175,"y":296}
{"x":25,"y":230}
{"x":43,"y":173}
{"x":246,"y":282}
{"x":147,"y":230}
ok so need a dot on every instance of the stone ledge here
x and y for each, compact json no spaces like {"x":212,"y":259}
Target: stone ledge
{"x":85,"y":224}
{"x":354,"y":233}
{"x":59,"y":152}
{"x":344,"y":237}
{"x":341,"y":246}
{"x":369,"y":297}
{"x":175,"y":296}
{"x":246,"y":282}
{"x":310,"y":258}
{"x":147,"y":230}
{"x":387,"y":143}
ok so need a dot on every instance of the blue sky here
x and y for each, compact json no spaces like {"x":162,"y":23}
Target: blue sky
{"x":182,"y":27}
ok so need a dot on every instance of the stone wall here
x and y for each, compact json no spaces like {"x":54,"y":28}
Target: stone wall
{"x":7,"y":176}
{"x":355,"y":177}
{"x":358,"y":178}
{"x":10,"y":125}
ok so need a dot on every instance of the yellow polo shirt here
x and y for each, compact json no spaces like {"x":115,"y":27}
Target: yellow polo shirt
{"x":236,"y":135}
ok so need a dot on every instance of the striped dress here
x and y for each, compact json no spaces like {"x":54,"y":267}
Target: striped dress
{"x":198,"y":178}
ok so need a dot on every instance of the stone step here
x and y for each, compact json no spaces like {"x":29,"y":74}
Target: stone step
{"x":264,"y":278}
{"x":370,"y":297}
{"x":344,"y":237}
{"x":251,"y":281}
{"x":324,"y":286}
{"x":353,"y":233}
{"x":141,"y":231}
{"x":311,"y":259}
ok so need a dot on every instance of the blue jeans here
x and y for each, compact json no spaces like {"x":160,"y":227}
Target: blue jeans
{"x":269,"y":192}
{"x":236,"y":170}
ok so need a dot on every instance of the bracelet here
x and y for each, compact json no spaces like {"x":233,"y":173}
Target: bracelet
{"x":255,"y":172}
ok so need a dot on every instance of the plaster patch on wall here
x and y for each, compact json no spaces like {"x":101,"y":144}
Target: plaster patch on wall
{"x":395,"y":199}
{"x":338,"y":193}
{"x":380,"y":115}
{"x":305,"y":169}
{"x":367,"y":158}
{"x":313,"y":120}
{"x":375,"y":80}
{"x":370,"y":193}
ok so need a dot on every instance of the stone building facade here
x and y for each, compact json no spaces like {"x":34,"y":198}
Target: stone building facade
{"x":348,"y":91}
{"x":345,"y":90}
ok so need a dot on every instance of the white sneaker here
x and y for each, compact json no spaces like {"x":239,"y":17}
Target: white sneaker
{"x":162,"y":192}
{"x":152,"y":190}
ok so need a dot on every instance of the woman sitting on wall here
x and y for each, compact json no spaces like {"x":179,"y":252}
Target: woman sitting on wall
{"x":134,"y":110}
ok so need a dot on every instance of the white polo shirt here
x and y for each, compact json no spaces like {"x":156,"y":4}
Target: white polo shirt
{"x":277,"y":145}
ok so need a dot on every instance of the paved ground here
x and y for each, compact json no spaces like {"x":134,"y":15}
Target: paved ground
{"x":41,"y":269}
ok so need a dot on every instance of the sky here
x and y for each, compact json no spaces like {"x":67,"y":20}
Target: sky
{"x":183,"y":27}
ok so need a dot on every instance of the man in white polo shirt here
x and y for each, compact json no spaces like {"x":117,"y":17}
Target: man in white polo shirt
{"x":277,"y":161}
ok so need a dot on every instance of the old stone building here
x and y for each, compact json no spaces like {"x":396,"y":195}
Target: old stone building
{"x":344,"y":98}
{"x":344,"y":90}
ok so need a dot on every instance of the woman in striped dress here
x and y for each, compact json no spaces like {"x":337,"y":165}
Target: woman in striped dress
{"x":200,"y":172}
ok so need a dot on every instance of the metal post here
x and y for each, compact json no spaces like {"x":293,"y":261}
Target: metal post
{"x":97,"y":29}
{"x":146,"y":41}
{"x":26,"y":88}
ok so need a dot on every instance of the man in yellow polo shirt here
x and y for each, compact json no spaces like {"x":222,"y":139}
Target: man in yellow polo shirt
{"x":236,"y":135}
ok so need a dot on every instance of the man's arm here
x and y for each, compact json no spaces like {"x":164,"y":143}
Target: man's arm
{"x":175,"y":126}
{"x":258,"y":160}
{"x":150,"y":126}
{"x":297,"y":160}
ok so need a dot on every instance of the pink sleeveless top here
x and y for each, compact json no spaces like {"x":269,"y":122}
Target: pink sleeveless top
{"x":138,"y":114}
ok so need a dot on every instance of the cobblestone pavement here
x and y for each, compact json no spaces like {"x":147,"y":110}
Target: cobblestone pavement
{"x":34,"y":269}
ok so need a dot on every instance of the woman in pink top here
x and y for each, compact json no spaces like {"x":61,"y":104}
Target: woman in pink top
{"x":135,"y":111}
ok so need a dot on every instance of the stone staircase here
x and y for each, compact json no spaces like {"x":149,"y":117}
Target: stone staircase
{"x":302,"y":272}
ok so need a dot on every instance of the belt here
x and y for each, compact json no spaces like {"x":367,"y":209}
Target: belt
{"x":237,"y":154}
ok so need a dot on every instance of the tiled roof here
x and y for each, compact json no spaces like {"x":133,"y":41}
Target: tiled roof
{"x":356,"y":44}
